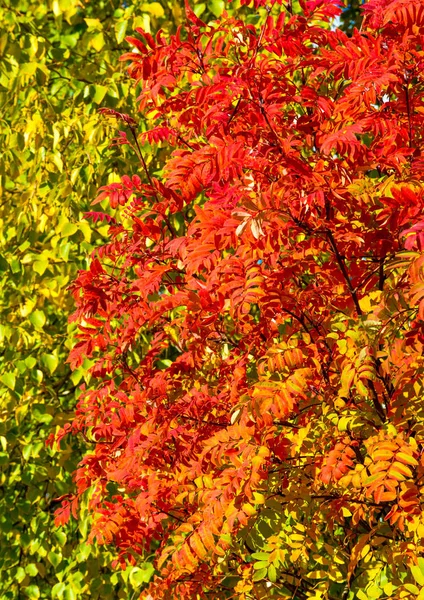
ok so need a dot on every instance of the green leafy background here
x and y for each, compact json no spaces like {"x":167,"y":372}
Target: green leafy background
{"x":58,"y":65}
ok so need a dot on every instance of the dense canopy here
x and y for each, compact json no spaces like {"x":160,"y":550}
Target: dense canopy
{"x":255,"y":322}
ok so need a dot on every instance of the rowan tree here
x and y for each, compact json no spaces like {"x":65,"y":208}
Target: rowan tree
{"x":256,"y":320}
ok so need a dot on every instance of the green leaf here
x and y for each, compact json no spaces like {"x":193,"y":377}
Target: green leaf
{"x":136,"y":578}
{"x":64,"y":250}
{"x":199,"y":9}
{"x":260,"y":574}
{"x":20,"y":574}
{"x":418,"y":575}
{"x":260,"y":556}
{"x":57,"y":590}
{"x":9,"y":380}
{"x":99,"y":93}
{"x":30,"y":362}
{"x":70,"y":41}
{"x":26,"y":451}
{"x":4,"y":458}
{"x":410,"y":587}
{"x":31,"y":569}
{"x":40,"y":414}
{"x":4,"y":265}
{"x":24,"y":246}
{"x":38,"y":319}
{"x":32,"y":591}
{"x":164,"y":363}
{"x":15,"y":265}
{"x":216,"y":7}
{"x":272,"y":573}
{"x":120,"y":30}
{"x":50,"y":361}
{"x":60,"y":536}
{"x":138,"y":575}
{"x":69,"y":229}
{"x":40,"y":266}
{"x":76,"y":376}
{"x":54,"y":558}
{"x":69,"y":593}
{"x":84,"y":553}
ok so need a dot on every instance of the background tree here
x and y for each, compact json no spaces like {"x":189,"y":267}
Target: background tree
{"x":255,"y":322}
{"x":58,"y":65}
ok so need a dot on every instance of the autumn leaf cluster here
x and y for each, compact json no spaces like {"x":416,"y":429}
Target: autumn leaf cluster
{"x":255,"y":321}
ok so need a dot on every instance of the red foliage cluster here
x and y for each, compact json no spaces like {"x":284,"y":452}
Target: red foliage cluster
{"x":255,"y":324}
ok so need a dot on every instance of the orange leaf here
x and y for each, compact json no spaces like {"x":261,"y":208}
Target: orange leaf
{"x":206,"y":537}
{"x":399,"y":471}
{"x":387,"y":497}
{"x":197,"y":546}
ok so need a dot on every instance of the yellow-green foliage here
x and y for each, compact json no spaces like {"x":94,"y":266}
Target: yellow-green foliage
{"x":58,"y":65}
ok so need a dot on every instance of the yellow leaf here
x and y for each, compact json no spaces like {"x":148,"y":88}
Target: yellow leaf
{"x":367,"y":302}
{"x":58,"y":161}
{"x":412,"y":588}
{"x":56,"y":8}
{"x":388,"y":589}
{"x":317,"y":575}
{"x":258,"y":498}
{"x":361,"y":388}
{"x":93,"y":24}
{"x":347,"y":377}
{"x":406,"y":459}
{"x":248,"y":509}
{"x":335,"y":574}
{"x":153,"y":8}
{"x":382,"y":455}
{"x":98,"y":41}
{"x":355,"y":555}
{"x":295,"y":555}
{"x":421,"y":594}
{"x":338,"y":559}
{"x":342,"y":345}
{"x":356,"y":482}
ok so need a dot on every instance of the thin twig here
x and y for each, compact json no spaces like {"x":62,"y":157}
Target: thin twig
{"x":343,"y":269}
{"x":146,"y":170}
